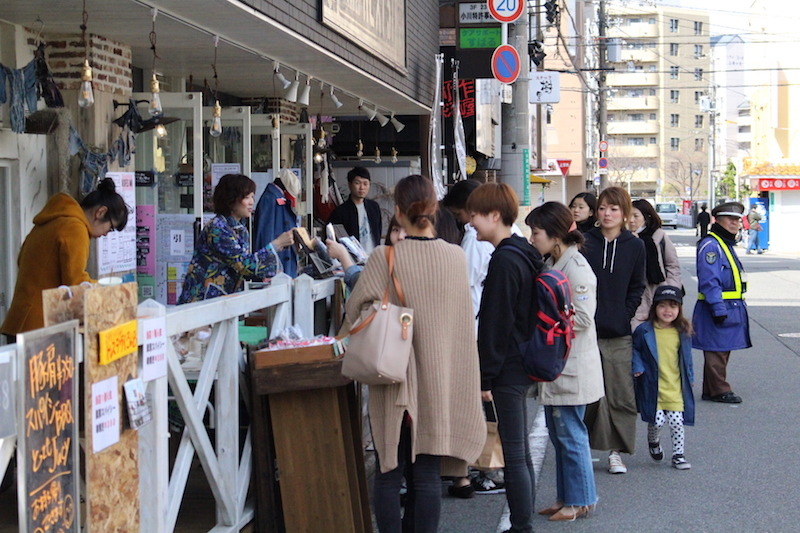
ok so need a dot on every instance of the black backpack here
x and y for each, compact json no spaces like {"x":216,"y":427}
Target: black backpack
{"x":545,"y":353}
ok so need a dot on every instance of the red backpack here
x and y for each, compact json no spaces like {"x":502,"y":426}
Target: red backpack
{"x":545,"y":353}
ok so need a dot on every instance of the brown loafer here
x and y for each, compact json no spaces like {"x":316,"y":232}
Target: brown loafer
{"x":553,"y":509}
{"x":569,"y":513}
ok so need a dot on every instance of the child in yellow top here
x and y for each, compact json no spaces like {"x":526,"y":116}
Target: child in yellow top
{"x":663,"y":375}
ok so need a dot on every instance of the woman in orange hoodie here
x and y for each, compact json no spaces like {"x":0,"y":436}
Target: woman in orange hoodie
{"x":56,"y":250}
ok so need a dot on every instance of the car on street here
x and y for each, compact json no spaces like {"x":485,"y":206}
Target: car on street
{"x":668,"y":212}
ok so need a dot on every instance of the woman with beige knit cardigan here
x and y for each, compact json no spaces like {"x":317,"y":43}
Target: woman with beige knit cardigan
{"x":437,"y":412}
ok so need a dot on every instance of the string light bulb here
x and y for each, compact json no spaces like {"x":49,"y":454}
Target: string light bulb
{"x":155,"y":98}
{"x":378,"y":155}
{"x":86,"y":96}
{"x":359,"y":148}
{"x":216,"y":122}
{"x":394,"y":155}
{"x":161,"y":131}
{"x":276,"y":128}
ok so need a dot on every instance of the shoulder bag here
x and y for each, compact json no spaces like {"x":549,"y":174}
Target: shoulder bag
{"x":379,"y":345}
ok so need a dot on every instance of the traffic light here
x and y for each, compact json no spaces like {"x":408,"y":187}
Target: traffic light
{"x":551,"y":8}
{"x":536,"y":52}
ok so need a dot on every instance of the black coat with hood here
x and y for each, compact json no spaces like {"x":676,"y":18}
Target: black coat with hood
{"x":620,"y":269}
{"x":507,"y":313}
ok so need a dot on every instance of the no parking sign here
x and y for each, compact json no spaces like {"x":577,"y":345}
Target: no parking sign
{"x":505,"y":64}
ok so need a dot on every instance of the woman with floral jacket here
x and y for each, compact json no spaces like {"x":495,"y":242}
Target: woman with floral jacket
{"x":222,"y":258}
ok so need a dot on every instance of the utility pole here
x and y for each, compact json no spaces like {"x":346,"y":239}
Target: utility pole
{"x":602,"y":109}
{"x":516,"y":129}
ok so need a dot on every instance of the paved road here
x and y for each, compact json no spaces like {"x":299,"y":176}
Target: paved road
{"x":745,"y":458}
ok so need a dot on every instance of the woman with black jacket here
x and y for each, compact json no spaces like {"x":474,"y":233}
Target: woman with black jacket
{"x":506,"y":318}
{"x":617,"y":258}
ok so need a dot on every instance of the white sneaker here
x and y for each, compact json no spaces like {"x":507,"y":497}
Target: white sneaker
{"x":615,"y":464}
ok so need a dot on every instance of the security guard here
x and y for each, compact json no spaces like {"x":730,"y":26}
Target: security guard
{"x":720,"y":316}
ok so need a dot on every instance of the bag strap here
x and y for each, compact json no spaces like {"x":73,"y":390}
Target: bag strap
{"x":385,"y":301}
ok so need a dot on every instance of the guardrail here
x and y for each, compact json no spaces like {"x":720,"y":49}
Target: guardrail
{"x":227,"y":469}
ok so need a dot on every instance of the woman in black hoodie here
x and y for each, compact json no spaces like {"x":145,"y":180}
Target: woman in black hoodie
{"x":618,"y":260}
{"x":506,"y":318}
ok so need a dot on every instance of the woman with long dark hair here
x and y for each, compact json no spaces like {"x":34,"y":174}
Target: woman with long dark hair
{"x":617,"y":258}
{"x":661,"y":257}
{"x":584,"y":207}
{"x":555,"y":235}
{"x":437,"y":411}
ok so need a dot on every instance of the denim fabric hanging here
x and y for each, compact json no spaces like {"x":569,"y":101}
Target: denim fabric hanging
{"x":3,"y":84}
{"x":31,"y":96}
{"x":16,"y":109}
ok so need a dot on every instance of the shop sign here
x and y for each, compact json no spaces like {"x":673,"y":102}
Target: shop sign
{"x":778,"y":184}
{"x":118,"y":341}
{"x":485,"y":37}
{"x":466,"y":96}
{"x":544,"y":88}
{"x":474,"y":13}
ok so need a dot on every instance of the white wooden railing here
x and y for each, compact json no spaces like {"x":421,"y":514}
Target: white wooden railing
{"x":227,"y":470}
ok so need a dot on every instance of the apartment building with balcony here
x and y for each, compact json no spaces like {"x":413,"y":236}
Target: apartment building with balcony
{"x":658,"y":122}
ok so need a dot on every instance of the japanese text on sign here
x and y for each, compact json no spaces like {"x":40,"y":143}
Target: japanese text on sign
{"x":105,"y":414}
{"x":466,"y":95}
{"x":154,"y":348}
{"x":118,"y":341}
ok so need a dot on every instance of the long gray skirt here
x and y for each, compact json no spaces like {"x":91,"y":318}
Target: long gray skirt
{"x":611,"y":421}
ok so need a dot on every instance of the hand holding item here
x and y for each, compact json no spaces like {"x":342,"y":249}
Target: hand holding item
{"x":486,"y":396}
{"x":338,"y":251}
{"x":284,"y":240}
{"x":719,"y":320}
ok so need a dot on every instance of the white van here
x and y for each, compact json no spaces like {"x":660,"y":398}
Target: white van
{"x":668,"y":212}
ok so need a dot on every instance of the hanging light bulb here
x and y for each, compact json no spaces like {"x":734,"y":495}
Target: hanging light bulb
{"x":155,"y":98}
{"x":318,"y":157}
{"x":377,"y":155}
{"x":276,"y":128}
{"x":359,"y":148}
{"x":394,"y":155}
{"x":161,"y":131}
{"x":216,"y":124}
{"x":86,"y":96}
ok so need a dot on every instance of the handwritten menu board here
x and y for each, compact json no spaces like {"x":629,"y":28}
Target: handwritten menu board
{"x":48,"y":444}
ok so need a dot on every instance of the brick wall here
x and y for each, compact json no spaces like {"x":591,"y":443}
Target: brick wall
{"x":110,"y":61}
{"x":422,"y":41}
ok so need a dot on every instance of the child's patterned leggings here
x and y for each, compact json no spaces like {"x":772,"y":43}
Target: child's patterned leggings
{"x":675,"y":426}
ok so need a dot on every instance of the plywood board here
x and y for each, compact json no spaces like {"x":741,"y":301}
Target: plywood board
{"x":112,"y":476}
{"x":63,"y":304}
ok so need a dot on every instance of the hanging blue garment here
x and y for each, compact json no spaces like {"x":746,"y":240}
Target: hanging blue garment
{"x":273,"y":216}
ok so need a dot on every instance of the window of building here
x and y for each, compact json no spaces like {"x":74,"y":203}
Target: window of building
{"x":698,"y":121}
{"x":745,"y":112}
{"x":652,"y":140}
{"x":652,"y":116}
{"x":674,"y":143}
{"x":698,"y":74}
{"x":674,"y":120}
{"x":698,"y":27}
{"x":673,"y":72}
{"x":611,"y":117}
{"x":745,"y":146}
{"x":697,"y":96}
{"x":698,"y":51}
{"x":673,"y":25}
{"x":674,"y":96}
{"x":651,"y":68}
{"x":744,"y":129}
{"x":651,"y":20}
{"x":635,"y":141}
{"x":636,"y":20}
{"x":651,"y":92}
{"x":698,"y":145}
{"x":634,"y":93}
{"x":636,"y":117}
{"x":673,"y":49}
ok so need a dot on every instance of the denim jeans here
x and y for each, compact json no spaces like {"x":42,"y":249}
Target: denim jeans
{"x":574,"y":472}
{"x":424,"y":497}
{"x":512,"y":416}
{"x":752,"y":243}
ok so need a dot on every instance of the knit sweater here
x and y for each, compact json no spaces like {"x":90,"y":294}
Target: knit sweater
{"x":442,"y":388}
{"x":54,"y":253}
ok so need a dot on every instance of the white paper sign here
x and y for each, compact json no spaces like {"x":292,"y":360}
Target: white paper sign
{"x":105,"y":414}
{"x":116,"y":252}
{"x":177,"y":242}
{"x":154,"y":347}
{"x":544,"y":88}
{"x":220,"y":169}
{"x":7,"y":412}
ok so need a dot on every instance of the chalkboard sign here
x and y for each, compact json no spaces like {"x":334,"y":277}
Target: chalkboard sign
{"x":47,"y":456}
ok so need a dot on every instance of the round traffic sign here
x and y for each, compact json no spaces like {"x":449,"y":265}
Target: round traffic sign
{"x":603,"y":146}
{"x":505,"y":63}
{"x":506,"y":10}
{"x":602,"y":162}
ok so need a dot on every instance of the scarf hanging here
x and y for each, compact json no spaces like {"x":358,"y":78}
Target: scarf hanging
{"x":653,"y":269}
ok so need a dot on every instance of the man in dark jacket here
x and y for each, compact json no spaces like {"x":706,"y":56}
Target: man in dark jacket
{"x":703,"y":221}
{"x":360,"y":216}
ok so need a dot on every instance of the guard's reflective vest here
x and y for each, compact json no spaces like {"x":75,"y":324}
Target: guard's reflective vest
{"x":737,"y":293}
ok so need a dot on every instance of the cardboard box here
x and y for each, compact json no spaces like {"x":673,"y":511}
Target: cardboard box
{"x":288,"y":356}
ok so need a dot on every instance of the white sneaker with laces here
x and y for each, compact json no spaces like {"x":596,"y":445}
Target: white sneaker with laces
{"x":615,"y":464}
